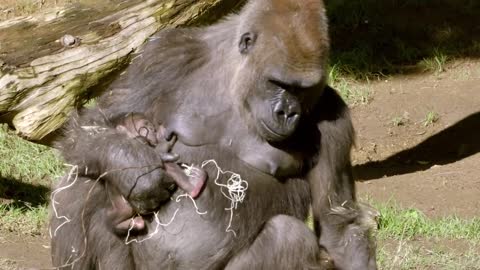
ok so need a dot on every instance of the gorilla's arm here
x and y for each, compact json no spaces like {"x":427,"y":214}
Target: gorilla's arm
{"x":337,"y":216}
{"x":132,"y":167}
{"x":94,"y":144}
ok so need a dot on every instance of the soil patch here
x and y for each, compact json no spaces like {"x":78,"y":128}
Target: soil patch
{"x":434,"y":166}
{"x":24,"y":252}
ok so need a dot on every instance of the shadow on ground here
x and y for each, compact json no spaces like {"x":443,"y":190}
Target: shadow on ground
{"x":372,"y":37}
{"x":457,"y":142}
{"x":17,"y":194}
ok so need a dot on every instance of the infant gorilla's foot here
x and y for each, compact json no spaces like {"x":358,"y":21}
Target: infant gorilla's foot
{"x":192,"y":180}
{"x":134,"y":224}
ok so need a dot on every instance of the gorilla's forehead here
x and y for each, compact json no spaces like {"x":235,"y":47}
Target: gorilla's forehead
{"x":298,"y":29}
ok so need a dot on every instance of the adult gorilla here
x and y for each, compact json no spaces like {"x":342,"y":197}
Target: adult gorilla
{"x":249,"y":93}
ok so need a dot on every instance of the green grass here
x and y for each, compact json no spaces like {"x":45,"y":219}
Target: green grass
{"x":404,"y":224}
{"x":372,"y":38}
{"x":28,"y":221}
{"x":407,"y":239}
{"x":400,"y":120}
{"x":26,"y":172}
{"x":428,"y":254}
{"x":407,"y":224}
{"x":435,"y":63}
{"x":431,"y":118}
{"x":353,"y":92}
{"x":27,"y":161}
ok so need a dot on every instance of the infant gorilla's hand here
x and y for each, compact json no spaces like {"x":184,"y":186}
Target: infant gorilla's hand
{"x":144,"y":188}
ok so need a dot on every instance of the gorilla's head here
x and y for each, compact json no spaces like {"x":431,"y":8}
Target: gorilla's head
{"x":283,"y":49}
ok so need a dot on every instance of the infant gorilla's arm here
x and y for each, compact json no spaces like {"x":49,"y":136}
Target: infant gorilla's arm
{"x":135,"y":125}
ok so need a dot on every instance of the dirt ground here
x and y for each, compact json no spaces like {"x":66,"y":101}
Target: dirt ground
{"x":434,"y":167}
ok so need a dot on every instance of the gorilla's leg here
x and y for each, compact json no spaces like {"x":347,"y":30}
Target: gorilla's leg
{"x":284,"y":243}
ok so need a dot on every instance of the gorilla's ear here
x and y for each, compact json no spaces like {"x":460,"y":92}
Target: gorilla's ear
{"x":246,"y":42}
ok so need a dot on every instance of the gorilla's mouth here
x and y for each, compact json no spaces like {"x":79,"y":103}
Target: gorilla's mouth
{"x":272,"y":134}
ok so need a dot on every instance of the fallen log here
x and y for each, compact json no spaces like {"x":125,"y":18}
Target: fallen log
{"x":49,"y":63}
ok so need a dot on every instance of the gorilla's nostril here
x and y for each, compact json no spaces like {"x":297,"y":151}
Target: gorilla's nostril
{"x":285,"y":111}
{"x":292,"y":119}
{"x":283,"y":114}
{"x":279,"y":109}
{"x":292,"y":114}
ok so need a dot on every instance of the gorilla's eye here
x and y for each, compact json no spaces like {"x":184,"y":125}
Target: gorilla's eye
{"x":246,"y":42}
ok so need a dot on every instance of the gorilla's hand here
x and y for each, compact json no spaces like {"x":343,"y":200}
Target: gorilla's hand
{"x":192,"y":184}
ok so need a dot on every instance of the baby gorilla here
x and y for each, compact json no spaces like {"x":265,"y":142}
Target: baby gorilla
{"x":137,"y":126}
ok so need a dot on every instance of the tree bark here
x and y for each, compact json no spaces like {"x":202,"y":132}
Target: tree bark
{"x":50,"y":63}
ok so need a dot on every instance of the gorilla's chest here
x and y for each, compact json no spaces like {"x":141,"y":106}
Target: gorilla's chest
{"x":218,"y":132}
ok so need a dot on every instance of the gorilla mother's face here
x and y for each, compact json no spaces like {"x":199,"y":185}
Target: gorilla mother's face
{"x":285,"y":57}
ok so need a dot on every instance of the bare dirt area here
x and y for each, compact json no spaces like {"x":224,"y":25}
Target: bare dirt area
{"x":24,"y":252}
{"x":403,"y":155}
{"x":418,"y":141}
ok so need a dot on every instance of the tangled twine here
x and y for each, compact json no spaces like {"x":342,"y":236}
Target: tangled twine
{"x":234,"y":190}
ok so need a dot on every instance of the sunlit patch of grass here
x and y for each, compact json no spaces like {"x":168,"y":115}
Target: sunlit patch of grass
{"x":409,"y":223}
{"x":436,"y":63}
{"x":431,"y":118}
{"x":334,"y":73}
{"x":26,"y":172}
{"x":353,"y":93}
{"x":28,"y":221}
{"x":26,"y":161}
{"x":407,"y":239}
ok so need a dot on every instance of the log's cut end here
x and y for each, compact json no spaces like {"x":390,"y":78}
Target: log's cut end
{"x":48,"y":63}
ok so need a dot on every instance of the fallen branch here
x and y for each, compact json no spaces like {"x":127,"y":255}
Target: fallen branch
{"x":49,"y":62}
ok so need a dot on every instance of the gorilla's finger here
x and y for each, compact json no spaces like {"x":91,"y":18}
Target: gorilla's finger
{"x":169,"y":157}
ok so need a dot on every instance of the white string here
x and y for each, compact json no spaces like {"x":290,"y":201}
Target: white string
{"x":150,"y":235}
{"x":157,"y":220}
{"x":191,"y":170}
{"x":179,"y":197}
{"x":73,"y":171}
{"x":235,"y":191}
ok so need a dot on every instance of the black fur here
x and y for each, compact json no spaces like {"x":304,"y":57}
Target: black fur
{"x":217,"y":99}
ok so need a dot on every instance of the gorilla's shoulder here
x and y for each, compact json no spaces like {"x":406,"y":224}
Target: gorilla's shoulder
{"x":174,"y":42}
